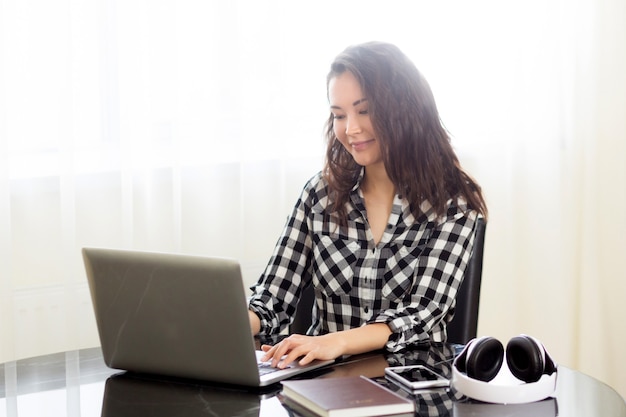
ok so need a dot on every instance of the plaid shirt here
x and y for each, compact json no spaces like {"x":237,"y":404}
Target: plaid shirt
{"x":408,"y":280}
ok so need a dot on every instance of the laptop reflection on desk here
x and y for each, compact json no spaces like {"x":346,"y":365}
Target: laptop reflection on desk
{"x":129,"y":395}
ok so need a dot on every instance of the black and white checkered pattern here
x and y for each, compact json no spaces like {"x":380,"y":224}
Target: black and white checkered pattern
{"x":409,"y":280}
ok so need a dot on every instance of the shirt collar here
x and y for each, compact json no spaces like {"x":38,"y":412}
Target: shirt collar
{"x":357,"y":183}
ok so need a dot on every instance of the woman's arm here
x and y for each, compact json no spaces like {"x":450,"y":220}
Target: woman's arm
{"x":255,"y":322}
{"x":329,"y":346}
{"x":438,"y":274}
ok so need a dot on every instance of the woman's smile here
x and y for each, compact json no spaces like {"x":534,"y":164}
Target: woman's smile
{"x":362,"y":144}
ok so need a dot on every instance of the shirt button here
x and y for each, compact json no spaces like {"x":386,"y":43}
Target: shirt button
{"x":366,"y":309}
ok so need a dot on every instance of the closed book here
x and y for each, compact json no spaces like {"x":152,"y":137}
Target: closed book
{"x":352,"y":396}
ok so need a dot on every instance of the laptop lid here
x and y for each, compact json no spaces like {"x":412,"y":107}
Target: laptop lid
{"x":176,"y":315}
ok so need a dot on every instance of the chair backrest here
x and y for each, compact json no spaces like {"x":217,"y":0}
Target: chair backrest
{"x":463,"y":326}
{"x":302,"y":319}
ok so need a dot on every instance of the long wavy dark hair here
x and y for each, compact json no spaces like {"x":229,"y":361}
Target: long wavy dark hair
{"x":415,"y":146}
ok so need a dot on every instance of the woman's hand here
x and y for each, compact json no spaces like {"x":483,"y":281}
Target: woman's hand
{"x":329,"y":346}
{"x":307,"y":348}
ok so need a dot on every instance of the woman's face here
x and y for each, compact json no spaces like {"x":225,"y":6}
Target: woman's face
{"x":352,"y":125}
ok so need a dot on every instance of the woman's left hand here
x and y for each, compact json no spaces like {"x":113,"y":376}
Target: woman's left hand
{"x":329,"y":346}
{"x":307,"y":348}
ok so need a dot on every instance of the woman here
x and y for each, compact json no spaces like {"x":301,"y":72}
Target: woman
{"x":384,"y":232}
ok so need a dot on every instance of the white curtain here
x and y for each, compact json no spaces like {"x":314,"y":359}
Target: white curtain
{"x":190,"y":126}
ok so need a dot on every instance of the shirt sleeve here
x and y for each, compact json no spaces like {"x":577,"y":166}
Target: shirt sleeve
{"x":275,"y":295}
{"x":438,"y":274}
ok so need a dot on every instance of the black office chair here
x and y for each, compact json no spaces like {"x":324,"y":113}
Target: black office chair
{"x":303,"y":318}
{"x":463,"y":326}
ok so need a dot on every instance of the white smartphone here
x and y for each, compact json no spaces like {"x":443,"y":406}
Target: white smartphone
{"x":415,"y":377}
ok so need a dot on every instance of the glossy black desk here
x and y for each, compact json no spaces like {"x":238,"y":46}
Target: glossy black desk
{"x":78,"y":384}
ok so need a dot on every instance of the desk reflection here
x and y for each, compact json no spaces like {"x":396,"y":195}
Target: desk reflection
{"x":127,"y":395}
{"x":78,"y":383}
{"x":545,"y":408}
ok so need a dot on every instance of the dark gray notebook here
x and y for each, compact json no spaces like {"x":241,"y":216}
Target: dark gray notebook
{"x":176,"y":315}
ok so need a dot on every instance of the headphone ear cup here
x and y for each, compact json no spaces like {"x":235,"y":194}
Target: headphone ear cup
{"x":485,"y":359}
{"x":525,"y":358}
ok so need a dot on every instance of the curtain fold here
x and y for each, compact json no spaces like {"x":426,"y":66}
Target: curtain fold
{"x":191,"y":127}
{"x":601,"y":130}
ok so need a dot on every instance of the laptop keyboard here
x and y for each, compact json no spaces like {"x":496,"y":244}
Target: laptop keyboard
{"x":265,"y":368}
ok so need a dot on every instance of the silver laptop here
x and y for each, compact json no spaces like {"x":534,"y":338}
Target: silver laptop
{"x":176,"y":315}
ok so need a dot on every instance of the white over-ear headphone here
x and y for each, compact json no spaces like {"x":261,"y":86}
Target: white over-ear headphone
{"x":530,"y":374}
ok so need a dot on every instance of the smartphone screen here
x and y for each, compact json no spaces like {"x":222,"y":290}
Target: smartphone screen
{"x":417,"y":374}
